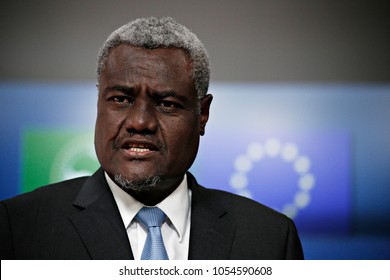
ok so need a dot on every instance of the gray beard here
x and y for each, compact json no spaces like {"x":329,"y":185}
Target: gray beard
{"x":138,"y":185}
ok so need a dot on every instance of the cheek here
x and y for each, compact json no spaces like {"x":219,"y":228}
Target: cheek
{"x":106,"y":129}
{"x":108,"y":122}
{"x":184,"y":137}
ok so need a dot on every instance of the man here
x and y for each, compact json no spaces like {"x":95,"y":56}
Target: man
{"x":153,"y":106}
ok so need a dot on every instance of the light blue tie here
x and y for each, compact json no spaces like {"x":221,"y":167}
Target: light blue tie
{"x":152,"y":219}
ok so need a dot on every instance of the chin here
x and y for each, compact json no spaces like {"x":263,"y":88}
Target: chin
{"x":143,"y":183}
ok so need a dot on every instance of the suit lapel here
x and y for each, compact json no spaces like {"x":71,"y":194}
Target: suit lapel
{"x":212,"y":228}
{"x":101,"y":228}
{"x":99,"y":223}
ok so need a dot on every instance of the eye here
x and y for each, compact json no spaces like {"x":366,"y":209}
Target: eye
{"x":120,"y":99}
{"x":168,"y":106}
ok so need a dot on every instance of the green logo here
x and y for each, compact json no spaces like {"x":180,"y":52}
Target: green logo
{"x":53,"y":155}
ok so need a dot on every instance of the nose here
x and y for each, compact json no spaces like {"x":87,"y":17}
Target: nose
{"x":141,"y":118}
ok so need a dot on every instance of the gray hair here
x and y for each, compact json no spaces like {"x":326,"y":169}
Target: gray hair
{"x":153,"y":33}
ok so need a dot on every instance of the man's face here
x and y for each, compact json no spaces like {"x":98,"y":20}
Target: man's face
{"x":148,"y":122}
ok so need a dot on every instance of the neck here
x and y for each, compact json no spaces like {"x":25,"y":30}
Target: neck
{"x":151,"y":196}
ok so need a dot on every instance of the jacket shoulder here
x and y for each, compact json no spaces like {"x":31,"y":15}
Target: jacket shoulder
{"x":49,"y":194}
{"x":32,"y":222}
{"x":241,"y":206}
{"x":260,"y":231}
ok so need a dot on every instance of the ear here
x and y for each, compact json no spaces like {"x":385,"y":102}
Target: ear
{"x":204,"y":112}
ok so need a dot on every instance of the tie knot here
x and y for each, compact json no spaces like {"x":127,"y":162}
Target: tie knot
{"x":151,"y":216}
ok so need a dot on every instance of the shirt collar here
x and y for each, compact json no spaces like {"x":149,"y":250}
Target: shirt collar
{"x":176,"y":206}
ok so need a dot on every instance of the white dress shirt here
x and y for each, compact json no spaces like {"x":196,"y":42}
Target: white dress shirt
{"x":176,"y":228}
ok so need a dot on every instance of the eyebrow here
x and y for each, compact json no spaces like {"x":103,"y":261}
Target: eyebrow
{"x":169,"y":93}
{"x":128,"y":90}
{"x":125,"y":89}
{"x":163,"y":94}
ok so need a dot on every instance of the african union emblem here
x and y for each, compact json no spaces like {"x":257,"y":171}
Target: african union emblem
{"x":53,"y":155}
{"x":76,"y":158}
{"x":274,"y":152}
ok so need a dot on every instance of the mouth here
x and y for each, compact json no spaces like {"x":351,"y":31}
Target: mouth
{"x":138,"y":149}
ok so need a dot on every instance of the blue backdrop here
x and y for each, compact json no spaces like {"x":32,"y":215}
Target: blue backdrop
{"x":319,"y":153}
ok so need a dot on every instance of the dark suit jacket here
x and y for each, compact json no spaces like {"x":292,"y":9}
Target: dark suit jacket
{"x":79,"y":219}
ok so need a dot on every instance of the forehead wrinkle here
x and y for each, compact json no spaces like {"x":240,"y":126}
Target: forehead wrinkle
{"x":137,"y":67}
{"x":160,"y":80}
